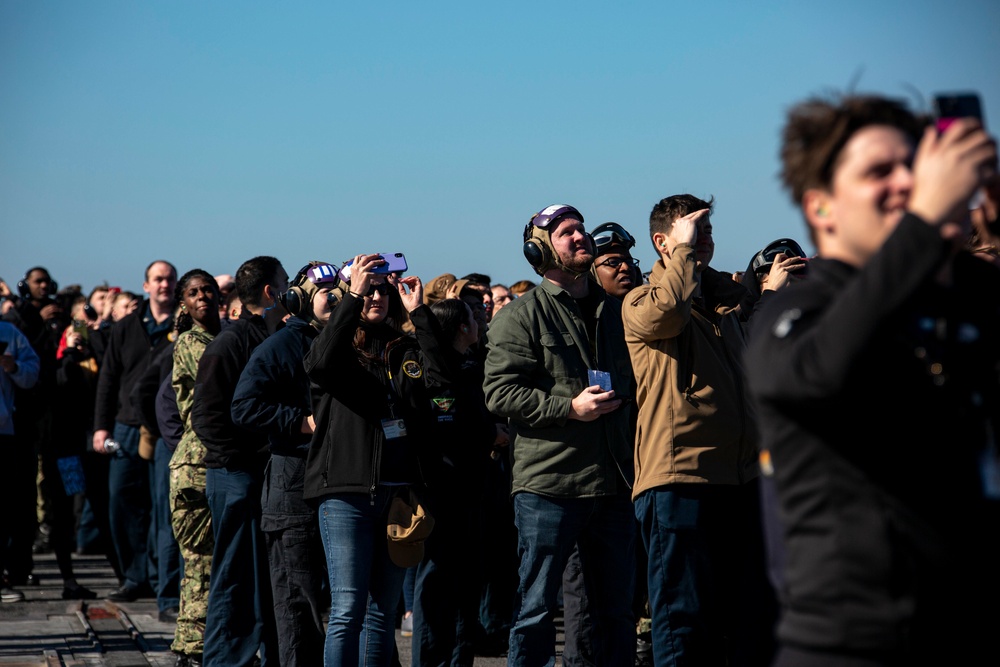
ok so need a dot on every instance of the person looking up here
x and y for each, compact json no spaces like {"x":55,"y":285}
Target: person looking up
{"x":881,"y":566}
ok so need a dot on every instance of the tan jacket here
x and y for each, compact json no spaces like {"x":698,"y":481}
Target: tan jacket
{"x":695,"y":424}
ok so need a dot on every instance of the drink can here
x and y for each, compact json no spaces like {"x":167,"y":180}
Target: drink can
{"x":111,"y":446}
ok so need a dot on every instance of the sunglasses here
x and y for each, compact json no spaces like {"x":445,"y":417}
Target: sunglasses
{"x":616,"y":262}
{"x":610,"y":233}
{"x":382,"y":288}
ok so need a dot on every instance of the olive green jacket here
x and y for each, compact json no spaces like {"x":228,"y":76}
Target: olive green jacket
{"x":537,"y":361}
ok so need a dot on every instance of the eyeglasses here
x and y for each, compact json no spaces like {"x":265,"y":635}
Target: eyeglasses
{"x":381,"y":288}
{"x":609,"y":233}
{"x":616,"y":262}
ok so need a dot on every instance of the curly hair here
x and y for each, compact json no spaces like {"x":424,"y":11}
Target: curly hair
{"x":183,"y":320}
{"x":817,"y":130}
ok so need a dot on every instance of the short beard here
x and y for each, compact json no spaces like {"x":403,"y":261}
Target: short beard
{"x":578,"y":263}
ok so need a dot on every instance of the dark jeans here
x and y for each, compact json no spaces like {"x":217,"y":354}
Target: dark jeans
{"x":17,"y":496}
{"x":129,"y":505}
{"x":710,"y":600}
{"x":240,"y":616}
{"x":299,"y":582}
{"x":499,"y":559}
{"x":446,"y":606}
{"x":548,"y":528}
{"x":578,"y":649}
{"x":168,"y":554}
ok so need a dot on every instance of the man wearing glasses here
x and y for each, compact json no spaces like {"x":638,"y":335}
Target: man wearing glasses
{"x":558,"y":369}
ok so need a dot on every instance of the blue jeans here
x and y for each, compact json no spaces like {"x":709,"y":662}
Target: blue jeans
{"x":240,"y":616}
{"x":129,"y":506}
{"x":365,"y":585}
{"x":168,"y":554}
{"x":548,"y":528}
{"x":709,"y":597}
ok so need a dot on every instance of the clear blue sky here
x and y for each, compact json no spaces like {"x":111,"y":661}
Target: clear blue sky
{"x":209,"y":132}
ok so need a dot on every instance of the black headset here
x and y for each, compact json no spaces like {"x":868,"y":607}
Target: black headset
{"x":294,"y":299}
{"x":535,"y":250}
{"x":22,"y":285}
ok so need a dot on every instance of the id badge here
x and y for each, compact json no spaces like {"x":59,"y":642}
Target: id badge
{"x":393,"y":428}
{"x":601,"y":378}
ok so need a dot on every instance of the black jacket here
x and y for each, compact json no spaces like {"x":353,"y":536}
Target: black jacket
{"x":346,"y":454}
{"x":127,"y":356}
{"x":272,"y":395}
{"x":462,"y":429}
{"x":876,"y":388}
{"x":219,"y":369}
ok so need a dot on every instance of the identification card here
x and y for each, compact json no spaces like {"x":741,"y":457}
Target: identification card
{"x":601,"y":378}
{"x":393,"y":428}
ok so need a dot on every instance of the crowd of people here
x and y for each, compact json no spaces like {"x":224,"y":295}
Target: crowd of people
{"x":691,"y":466}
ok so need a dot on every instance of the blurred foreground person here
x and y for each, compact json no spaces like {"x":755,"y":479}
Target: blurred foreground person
{"x":877,"y":383}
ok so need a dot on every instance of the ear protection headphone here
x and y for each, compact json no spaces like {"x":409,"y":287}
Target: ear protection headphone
{"x":22,"y":285}
{"x":294,"y":299}
{"x":536,"y":249}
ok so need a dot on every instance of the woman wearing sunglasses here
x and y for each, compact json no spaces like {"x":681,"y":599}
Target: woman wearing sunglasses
{"x":365,"y":450}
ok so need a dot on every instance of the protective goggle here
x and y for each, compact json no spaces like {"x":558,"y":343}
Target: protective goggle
{"x":544,"y":218}
{"x":610,"y":233}
{"x":765,"y":258}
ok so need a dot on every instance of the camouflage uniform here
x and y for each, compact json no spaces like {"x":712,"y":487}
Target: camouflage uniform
{"x":189,"y":512}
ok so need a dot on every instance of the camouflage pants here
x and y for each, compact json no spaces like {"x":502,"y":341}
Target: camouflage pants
{"x":192,"y":524}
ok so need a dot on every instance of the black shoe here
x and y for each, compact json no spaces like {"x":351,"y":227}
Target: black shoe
{"x":168,"y":615}
{"x":127,"y":593}
{"x":77,"y":592}
{"x":188,"y":660}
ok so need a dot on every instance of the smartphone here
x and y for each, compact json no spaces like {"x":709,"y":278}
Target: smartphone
{"x":949,"y":107}
{"x":80,"y":327}
{"x":395,"y":262}
{"x":114,"y":290}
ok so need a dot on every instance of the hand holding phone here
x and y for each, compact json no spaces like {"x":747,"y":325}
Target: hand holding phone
{"x":392,"y":262}
{"x":949,"y":107}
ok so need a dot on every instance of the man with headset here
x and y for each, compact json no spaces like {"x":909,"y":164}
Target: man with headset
{"x":557,"y":368}
{"x":274,"y":396}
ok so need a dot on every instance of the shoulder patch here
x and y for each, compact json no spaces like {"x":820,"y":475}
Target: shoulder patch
{"x":413,"y":369}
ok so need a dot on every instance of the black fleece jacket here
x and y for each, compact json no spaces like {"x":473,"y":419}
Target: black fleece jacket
{"x":128,"y":354}
{"x":228,"y":445}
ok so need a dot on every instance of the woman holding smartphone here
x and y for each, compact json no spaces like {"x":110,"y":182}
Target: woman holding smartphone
{"x":370,"y":422}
